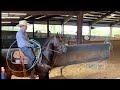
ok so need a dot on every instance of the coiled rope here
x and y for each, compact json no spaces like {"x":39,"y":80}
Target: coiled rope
{"x":35,"y":62}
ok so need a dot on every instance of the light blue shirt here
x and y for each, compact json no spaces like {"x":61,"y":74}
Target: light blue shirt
{"x":23,"y":39}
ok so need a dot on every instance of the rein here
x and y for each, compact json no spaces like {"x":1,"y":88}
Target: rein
{"x":52,"y":50}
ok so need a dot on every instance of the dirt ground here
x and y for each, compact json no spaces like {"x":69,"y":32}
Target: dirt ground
{"x":109,"y":70}
{"x":91,"y":70}
{"x":84,"y":71}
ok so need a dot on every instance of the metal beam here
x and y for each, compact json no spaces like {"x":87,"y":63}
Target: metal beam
{"x":116,"y":22}
{"x":23,"y":17}
{"x":40,"y":16}
{"x":45,"y":12}
{"x":31,"y":19}
{"x":49,"y":17}
{"x":10,"y":20}
{"x":8,"y":24}
{"x":67,"y":19}
{"x":101,"y":18}
{"x":85,"y":12}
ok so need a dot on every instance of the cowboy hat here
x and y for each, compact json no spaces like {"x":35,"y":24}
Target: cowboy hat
{"x":23,"y":23}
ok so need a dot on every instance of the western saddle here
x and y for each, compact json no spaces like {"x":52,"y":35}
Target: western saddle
{"x":21,"y":58}
{"x":19,"y":55}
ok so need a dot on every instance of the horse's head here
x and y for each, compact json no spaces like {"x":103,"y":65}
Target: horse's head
{"x":57,"y":42}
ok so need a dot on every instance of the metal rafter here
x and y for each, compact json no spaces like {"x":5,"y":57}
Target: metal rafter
{"x":116,"y":22}
{"x":45,"y":12}
{"x":56,"y":14}
{"x":101,"y":18}
{"x":66,"y":19}
{"x":8,"y":24}
{"x":10,"y":20}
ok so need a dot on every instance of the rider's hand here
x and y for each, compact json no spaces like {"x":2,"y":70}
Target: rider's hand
{"x":35,"y":45}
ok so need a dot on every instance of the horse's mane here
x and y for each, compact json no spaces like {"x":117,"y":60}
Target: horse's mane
{"x":47,"y":41}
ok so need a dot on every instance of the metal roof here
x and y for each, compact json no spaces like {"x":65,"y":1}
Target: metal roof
{"x":109,"y":18}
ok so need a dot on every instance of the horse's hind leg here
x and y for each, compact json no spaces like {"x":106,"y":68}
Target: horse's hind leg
{"x":47,"y":76}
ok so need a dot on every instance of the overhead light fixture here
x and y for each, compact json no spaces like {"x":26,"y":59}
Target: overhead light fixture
{"x":17,"y":13}
{"x":28,"y":17}
{"x":10,"y":17}
{"x":5,"y":22}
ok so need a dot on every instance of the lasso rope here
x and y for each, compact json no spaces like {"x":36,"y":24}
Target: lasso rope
{"x":35,"y":62}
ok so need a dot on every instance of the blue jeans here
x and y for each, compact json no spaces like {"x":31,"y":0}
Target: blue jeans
{"x":29,"y":53}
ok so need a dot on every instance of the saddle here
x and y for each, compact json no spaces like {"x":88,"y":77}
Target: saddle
{"x":21,"y":58}
{"x":19,"y":55}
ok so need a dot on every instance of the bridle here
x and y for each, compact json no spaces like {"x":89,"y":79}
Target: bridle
{"x":51,"y":49}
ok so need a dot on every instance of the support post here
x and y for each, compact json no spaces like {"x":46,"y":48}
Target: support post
{"x":33,"y":31}
{"x":79,"y":27}
{"x":110,"y":34}
{"x":48,"y":28}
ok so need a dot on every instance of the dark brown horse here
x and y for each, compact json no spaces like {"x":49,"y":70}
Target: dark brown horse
{"x":50,"y":49}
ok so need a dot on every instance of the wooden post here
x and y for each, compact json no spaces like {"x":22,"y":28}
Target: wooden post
{"x":79,"y":27}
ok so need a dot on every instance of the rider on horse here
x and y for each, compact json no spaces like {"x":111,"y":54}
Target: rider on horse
{"x":23,"y":43}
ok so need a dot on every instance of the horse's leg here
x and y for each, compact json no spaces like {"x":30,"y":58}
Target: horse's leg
{"x":44,"y":77}
{"x":42,"y":71}
{"x":47,"y":76}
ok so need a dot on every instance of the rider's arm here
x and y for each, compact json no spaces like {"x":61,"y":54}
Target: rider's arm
{"x":22,"y":40}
